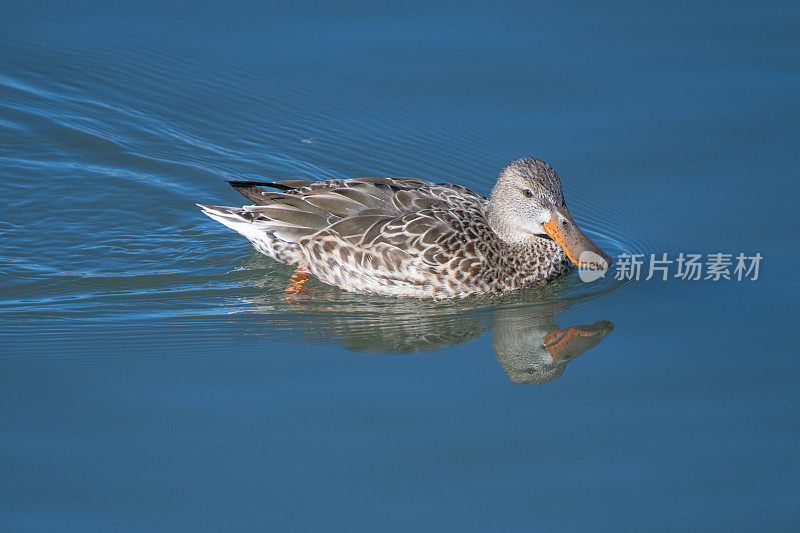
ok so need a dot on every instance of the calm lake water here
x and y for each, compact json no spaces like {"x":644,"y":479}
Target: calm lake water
{"x":155,"y":378}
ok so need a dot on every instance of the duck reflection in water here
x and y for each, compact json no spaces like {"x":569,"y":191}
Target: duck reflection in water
{"x":527,"y":341}
{"x":532,"y":353}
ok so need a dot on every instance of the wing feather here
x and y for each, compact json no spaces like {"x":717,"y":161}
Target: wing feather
{"x":334,"y":203}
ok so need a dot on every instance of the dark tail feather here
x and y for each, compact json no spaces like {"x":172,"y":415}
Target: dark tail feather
{"x":253,"y":190}
{"x":238,"y":184}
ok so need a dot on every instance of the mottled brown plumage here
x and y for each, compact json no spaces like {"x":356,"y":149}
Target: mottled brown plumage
{"x":409,"y":237}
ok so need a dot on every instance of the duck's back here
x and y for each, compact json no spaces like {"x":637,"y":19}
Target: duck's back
{"x":345,"y":197}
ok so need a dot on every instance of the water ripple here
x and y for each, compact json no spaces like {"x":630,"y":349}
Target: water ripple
{"x":130,"y":244}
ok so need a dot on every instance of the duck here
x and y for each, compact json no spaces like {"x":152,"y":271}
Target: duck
{"x":407,"y":237}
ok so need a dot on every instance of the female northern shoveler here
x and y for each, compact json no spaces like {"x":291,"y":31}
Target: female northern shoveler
{"x":409,"y":237}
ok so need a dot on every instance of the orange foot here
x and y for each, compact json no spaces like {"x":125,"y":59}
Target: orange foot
{"x":296,"y":283}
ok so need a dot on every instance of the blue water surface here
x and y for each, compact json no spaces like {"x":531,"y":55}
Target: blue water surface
{"x":155,"y":377}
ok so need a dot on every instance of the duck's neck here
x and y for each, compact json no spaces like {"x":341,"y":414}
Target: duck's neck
{"x":527,"y":254}
{"x":503,"y":225}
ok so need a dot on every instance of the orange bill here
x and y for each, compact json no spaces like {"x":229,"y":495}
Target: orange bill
{"x":579,"y":248}
{"x":567,"y":344}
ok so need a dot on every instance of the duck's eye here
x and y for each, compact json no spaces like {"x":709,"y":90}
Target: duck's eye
{"x":527,"y":193}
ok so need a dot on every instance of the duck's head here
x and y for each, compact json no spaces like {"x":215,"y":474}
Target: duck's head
{"x":527,"y":203}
